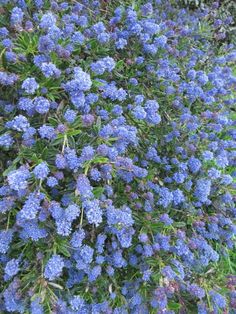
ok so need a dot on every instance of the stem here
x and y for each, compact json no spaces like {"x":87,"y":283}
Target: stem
{"x":82,"y":216}
{"x":8,"y":220}
{"x":65,"y":142}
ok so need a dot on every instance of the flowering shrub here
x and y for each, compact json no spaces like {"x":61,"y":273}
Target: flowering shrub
{"x":118,"y":159}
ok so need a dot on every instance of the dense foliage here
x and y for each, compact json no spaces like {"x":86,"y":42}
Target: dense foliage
{"x":224,"y":8}
{"x":117,"y":138}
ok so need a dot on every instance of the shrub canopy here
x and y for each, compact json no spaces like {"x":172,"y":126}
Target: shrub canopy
{"x":117,"y":138}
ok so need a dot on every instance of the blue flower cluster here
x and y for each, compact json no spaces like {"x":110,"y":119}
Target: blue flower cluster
{"x":117,"y":151}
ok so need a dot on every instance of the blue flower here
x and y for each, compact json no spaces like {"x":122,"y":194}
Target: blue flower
{"x":86,"y":253}
{"x":3,"y":32}
{"x":71,"y":158}
{"x":81,"y":82}
{"x":194,"y":164}
{"x":202,"y":190}
{"x":94,"y":273}
{"x":70,"y":115}
{"x":99,"y":27}
{"x":166,"y":219}
{"x":41,"y":171}
{"x":77,"y":303}
{"x":95,"y":174}
{"x":139,"y":112}
{"x":16,"y":16}
{"x":54,"y":267}
{"x":41,"y":104}
{"x":17,"y":179}
{"x":47,"y":132}
{"x":83,"y":186}
{"x":78,"y":38}
{"x":19,"y":123}
{"x":72,"y":212}
{"x":217,"y":299}
{"x":93,"y":212}
{"x":47,"y":20}
{"x":46,"y":44}
{"x":36,"y":307}
{"x":52,"y":181}
{"x":5,"y":240}
{"x":87,"y":153}
{"x":12,"y":300}
{"x":6,"y":140}
{"x":121,"y":43}
{"x":49,"y":70}
{"x":77,"y":238}
{"x":30,"y":85}
{"x":31,"y":207}
{"x":102,"y":65}
{"x":12,"y":267}
{"x":196,"y":291}
{"x":31,"y":230}
{"x":178,"y":197}
{"x":166,"y":197}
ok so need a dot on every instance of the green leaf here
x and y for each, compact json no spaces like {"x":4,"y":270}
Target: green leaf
{"x":73,"y":132}
{"x":12,"y":167}
{"x":53,"y":121}
{"x":69,"y":133}
{"x":100,"y":160}
{"x":174,"y":306}
{"x":98,"y":123}
{"x":57,"y":141}
{"x":98,"y":191}
{"x":97,"y":83}
{"x":179,"y":224}
{"x":120,"y":65}
{"x":63,"y":250}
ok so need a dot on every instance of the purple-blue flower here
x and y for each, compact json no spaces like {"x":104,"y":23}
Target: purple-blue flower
{"x":54,"y":267}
